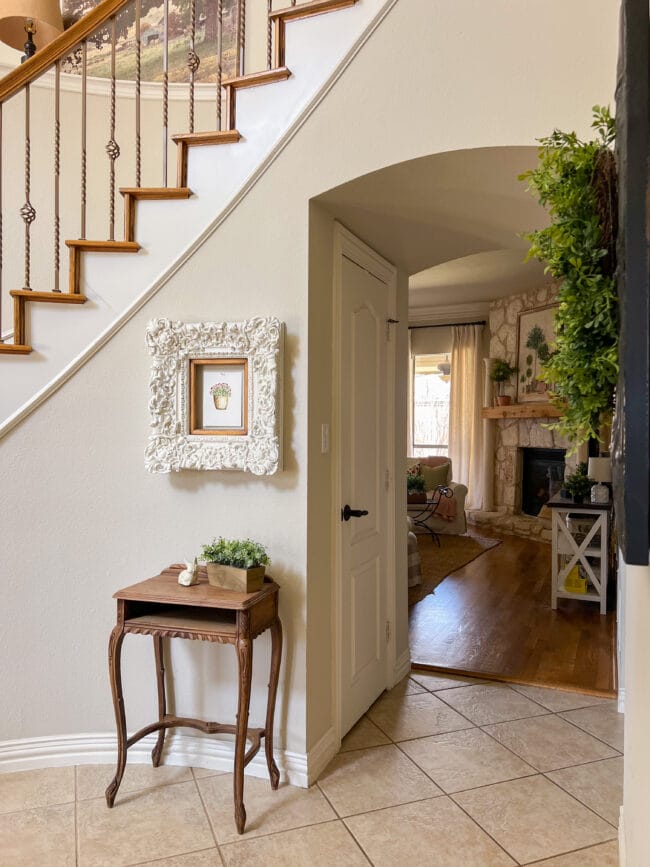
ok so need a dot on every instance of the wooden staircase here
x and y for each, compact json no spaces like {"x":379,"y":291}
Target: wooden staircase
{"x":277,"y":20}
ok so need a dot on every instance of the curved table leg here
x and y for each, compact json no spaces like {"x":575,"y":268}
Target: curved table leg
{"x":276,"y":656}
{"x":156,"y":753}
{"x":244,"y":648}
{"x":115,"y":671}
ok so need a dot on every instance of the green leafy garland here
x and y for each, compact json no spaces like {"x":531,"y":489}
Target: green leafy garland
{"x":576,"y":181}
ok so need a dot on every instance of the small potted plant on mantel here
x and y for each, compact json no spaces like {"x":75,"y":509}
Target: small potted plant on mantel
{"x":236,"y":564}
{"x":500,"y":372}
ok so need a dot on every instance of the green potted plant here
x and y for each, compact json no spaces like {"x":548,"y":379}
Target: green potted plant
{"x":236,"y":564}
{"x":576,"y":182}
{"x":501,"y":372}
{"x":578,"y":484}
{"x":416,"y":488}
{"x":221,"y":392}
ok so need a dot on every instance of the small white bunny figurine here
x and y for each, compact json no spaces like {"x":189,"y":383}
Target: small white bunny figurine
{"x":190,"y":575}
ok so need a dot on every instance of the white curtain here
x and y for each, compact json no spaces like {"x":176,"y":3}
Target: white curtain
{"x":409,"y":431}
{"x":465,"y":423}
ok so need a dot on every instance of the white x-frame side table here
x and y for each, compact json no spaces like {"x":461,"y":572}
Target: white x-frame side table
{"x":592,"y":552}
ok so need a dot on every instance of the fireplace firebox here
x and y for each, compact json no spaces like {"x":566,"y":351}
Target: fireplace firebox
{"x":542,"y":473}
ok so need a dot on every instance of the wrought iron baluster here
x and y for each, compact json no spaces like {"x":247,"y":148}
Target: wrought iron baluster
{"x":269,"y":35}
{"x":57,"y":173}
{"x":84,"y":117}
{"x":138,"y":82}
{"x":219,"y":59}
{"x":28,"y":212}
{"x":165,"y":115}
{"x":1,"y":239}
{"x":112,"y":147}
{"x":242,"y":36}
{"x":193,"y":61}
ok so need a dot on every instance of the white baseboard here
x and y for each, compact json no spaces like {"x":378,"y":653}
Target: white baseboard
{"x":621,"y":840}
{"x":621,"y":700}
{"x":319,"y":757}
{"x":402,"y":666}
{"x":180,"y":749}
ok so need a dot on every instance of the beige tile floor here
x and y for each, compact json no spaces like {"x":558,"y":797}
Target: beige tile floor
{"x":442,"y":771}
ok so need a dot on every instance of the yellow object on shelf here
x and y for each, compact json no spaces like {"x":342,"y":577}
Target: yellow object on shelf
{"x":573,"y":583}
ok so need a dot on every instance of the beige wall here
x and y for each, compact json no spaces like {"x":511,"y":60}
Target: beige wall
{"x":85,"y":518}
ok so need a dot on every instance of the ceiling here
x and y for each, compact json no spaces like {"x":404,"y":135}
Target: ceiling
{"x":453,"y":221}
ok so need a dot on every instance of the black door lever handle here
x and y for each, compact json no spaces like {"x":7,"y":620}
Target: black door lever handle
{"x":347,"y":513}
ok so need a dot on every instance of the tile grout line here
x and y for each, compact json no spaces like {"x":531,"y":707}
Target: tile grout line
{"x":481,"y":828}
{"x":340,"y":818}
{"x":584,"y":731}
{"x":576,"y":798}
{"x":167,"y":857}
{"x":570,"y":852}
{"x":207,"y":815}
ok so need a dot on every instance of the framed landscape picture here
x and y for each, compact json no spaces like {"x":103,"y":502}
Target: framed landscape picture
{"x":152,"y":27}
{"x":535,"y":338}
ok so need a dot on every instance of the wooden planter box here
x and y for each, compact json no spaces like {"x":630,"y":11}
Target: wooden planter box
{"x":231,"y":578}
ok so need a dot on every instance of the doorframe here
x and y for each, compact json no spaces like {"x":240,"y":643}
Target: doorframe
{"x":348,"y":246}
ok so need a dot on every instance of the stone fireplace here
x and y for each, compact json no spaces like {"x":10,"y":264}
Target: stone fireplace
{"x":509,"y":439}
{"x":540,"y":473}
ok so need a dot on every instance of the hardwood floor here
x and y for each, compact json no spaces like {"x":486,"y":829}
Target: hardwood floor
{"x":493,"y":618}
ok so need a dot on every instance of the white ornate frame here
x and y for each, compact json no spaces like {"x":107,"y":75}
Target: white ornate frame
{"x":171,"y":446}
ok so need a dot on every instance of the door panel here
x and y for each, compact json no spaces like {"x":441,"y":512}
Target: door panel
{"x":363,"y":454}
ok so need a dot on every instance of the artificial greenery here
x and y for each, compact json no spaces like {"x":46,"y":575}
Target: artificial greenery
{"x":576,"y":181}
{"x":501,"y":370}
{"x":578,"y":484}
{"x":241,"y":553}
{"x":415,"y":483}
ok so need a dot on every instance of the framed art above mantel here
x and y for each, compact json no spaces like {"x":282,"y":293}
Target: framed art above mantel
{"x":215,"y":396}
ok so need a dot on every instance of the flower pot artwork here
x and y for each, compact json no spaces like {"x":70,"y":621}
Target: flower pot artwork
{"x":221,"y":392}
{"x":503,"y":400}
{"x":232,"y":578}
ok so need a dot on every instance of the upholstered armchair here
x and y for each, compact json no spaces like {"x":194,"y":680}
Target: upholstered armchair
{"x":438,"y":471}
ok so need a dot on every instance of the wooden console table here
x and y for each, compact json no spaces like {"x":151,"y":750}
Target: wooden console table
{"x":162,"y":608}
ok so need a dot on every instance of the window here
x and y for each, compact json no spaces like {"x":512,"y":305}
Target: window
{"x":431,"y":378}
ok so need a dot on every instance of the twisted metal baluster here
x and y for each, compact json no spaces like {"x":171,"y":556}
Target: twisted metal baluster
{"x":219,"y":59}
{"x":138,"y":81}
{"x":112,"y":147}
{"x":165,"y":116}
{"x":1,"y":245}
{"x":269,"y":34}
{"x":84,"y":58}
{"x":242,"y":36}
{"x":57,"y":173}
{"x":193,"y":61}
{"x":27,"y":212}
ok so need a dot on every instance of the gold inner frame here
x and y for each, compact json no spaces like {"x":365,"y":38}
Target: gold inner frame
{"x":195,"y":399}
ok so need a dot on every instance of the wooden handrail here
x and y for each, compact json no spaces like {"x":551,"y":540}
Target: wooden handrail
{"x":59,"y":48}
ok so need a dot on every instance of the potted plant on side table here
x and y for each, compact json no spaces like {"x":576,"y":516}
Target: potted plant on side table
{"x":578,"y":484}
{"x":500,"y":372}
{"x":416,"y":488}
{"x":236,"y":564}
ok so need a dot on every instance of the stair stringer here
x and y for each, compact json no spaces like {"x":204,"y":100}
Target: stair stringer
{"x":319,"y":50}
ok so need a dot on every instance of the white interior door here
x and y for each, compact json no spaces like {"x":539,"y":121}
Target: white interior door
{"x":365,"y":302}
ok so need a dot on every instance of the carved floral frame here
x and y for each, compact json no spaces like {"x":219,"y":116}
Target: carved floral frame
{"x":171,"y":446}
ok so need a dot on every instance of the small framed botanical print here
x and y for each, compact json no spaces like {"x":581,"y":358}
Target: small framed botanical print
{"x":219,"y":396}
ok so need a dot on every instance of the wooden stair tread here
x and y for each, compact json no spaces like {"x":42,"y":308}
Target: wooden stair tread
{"x":49,"y":297}
{"x":305,"y":10}
{"x":255,"y":79}
{"x":15,"y":348}
{"x":156,"y":193}
{"x":212,"y":137}
{"x":104,"y":246}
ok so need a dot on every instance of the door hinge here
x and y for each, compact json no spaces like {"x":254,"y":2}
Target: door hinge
{"x":387,"y":631}
{"x":387,"y":479}
{"x":390,"y":322}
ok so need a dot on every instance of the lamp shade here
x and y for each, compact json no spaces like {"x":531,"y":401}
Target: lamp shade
{"x":46,"y":15}
{"x":600,"y":470}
